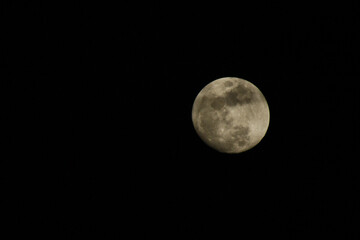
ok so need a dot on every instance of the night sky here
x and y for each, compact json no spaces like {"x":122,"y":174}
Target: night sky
{"x":102,"y":142}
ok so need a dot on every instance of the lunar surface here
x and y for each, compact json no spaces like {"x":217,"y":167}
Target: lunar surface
{"x":230,"y":115}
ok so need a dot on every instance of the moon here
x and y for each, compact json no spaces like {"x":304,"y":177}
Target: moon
{"x":231,"y":115}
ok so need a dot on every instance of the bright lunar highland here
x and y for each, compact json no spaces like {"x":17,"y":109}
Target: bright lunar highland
{"x":231,"y":115}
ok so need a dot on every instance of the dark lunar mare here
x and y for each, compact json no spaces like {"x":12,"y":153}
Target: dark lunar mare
{"x":239,"y":95}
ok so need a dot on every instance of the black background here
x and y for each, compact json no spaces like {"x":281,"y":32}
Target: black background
{"x":102,"y":143}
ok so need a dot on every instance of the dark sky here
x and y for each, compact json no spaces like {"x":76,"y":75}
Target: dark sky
{"x":102,"y":143}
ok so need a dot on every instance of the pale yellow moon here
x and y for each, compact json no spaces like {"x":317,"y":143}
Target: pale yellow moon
{"x":231,"y":115}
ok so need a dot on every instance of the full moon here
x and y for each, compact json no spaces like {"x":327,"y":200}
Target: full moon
{"x":231,"y":115}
